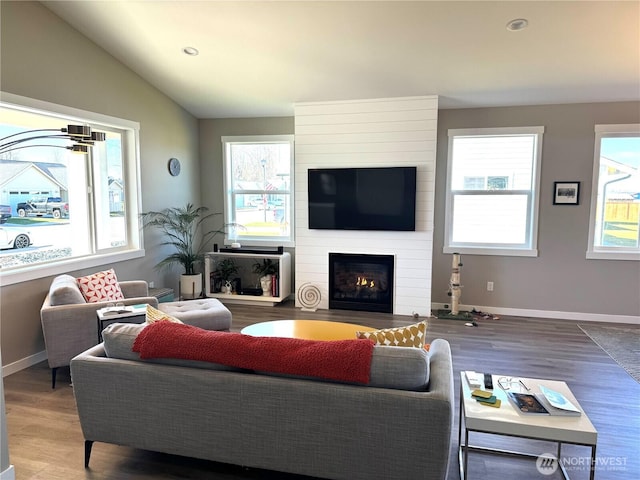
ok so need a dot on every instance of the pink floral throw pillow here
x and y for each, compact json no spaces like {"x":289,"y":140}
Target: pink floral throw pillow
{"x":100,"y":287}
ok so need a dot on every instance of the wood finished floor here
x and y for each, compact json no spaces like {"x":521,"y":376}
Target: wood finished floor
{"x":45,"y":441}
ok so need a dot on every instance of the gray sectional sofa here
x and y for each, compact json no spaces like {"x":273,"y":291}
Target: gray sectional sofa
{"x":397,"y":427}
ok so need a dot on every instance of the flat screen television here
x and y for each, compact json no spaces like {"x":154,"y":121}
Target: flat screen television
{"x":362,"y":198}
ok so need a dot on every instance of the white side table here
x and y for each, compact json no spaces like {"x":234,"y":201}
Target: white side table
{"x":507,"y":420}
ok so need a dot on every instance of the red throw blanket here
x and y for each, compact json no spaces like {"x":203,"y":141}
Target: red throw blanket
{"x":341,"y":360}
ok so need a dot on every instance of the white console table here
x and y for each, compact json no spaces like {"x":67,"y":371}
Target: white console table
{"x":245,"y":261}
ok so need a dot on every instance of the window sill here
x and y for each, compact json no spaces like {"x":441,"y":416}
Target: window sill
{"x":503,"y":252}
{"x":34,"y":272}
{"x":591,"y":255}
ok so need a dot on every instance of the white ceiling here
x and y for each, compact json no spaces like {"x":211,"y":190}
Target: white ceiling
{"x":260,"y":58}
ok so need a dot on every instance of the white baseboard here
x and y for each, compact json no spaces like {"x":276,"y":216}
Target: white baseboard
{"x":22,"y":364}
{"x":522,"y":312}
{"x":8,"y":474}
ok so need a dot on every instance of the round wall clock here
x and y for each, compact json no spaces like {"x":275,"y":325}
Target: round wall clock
{"x":174,"y":167}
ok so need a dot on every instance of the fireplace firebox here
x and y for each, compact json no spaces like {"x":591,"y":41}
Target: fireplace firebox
{"x":361,"y":282}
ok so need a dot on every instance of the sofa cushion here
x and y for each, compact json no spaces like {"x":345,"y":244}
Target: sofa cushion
{"x":338,"y":360}
{"x":118,"y":341}
{"x":154,"y":315}
{"x":400,"y":368}
{"x":100,"y":287}
{"x":408,"y":336}
{"x":391,"y":367}
{"x":64,"y":291}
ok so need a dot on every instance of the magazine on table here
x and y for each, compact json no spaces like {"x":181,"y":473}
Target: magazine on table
{"x":116,"y":310}
{"x":557,"y":403}
{"x":527,"y":403}
{"x":548,"y":402}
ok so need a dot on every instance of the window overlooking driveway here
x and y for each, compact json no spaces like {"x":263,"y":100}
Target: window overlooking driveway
{"x":73,"y":207}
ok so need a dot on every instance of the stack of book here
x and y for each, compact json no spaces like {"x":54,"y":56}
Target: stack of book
{"x":486,"y":398}
{"x":547,"y":402}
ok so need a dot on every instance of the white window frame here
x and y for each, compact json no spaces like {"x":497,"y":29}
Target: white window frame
{"x":600,"y":252}
{"x":229,"y":203}
{"x":131,"y":170}
{"x":529,"y":249}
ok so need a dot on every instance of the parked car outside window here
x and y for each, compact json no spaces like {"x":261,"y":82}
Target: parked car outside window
{"x":5,"y":213}
{"x":14,"y":237}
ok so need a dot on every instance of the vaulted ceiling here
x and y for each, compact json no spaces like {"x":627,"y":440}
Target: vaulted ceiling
{"x":259,"y":58}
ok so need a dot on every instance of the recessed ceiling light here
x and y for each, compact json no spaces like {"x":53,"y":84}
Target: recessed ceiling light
{"x":190,"y":51}
{"x":517,"y":24}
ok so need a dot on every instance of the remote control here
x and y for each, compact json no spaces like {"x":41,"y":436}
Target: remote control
{"x":488,"y":381}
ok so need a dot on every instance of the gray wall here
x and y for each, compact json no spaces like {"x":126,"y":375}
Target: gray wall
{"x":560,"y":278}
{"x":42,"y":57}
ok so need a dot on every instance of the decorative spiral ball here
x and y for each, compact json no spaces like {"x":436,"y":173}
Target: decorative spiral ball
{"x":309,"y":296}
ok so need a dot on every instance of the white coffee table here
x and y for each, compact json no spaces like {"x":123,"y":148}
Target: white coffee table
{"x":127,"y":314}
{"x":508,"y":421}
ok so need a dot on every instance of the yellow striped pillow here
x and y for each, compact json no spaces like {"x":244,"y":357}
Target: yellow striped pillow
{"x":155,"y":315}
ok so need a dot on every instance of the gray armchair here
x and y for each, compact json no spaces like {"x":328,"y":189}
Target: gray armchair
{"x":70,"y":324}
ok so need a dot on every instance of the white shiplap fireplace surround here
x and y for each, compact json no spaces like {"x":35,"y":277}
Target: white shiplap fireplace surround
{"x":384,"y":132}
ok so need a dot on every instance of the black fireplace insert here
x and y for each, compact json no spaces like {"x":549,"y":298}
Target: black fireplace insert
{"x":361,"y":282}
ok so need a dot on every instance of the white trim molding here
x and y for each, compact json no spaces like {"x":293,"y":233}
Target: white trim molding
{"x":524,"y":312}
{"x":23,"y":363}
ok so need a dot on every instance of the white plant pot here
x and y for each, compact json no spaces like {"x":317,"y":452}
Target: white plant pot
{"x":191,"y":286}
{"x":265,"y":283}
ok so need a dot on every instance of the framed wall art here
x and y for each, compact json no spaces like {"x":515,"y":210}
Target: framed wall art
{"x":566,"y":193}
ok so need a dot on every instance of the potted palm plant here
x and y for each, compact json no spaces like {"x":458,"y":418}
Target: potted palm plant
{"x":265,"y":269}
{"x":182,"y":228}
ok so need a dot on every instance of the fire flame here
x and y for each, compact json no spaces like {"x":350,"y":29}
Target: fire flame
{"x":363,"y":282}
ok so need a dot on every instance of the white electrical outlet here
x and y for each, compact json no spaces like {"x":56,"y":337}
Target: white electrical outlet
{"x":489,"y":286}
{"x":152,"y":284}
